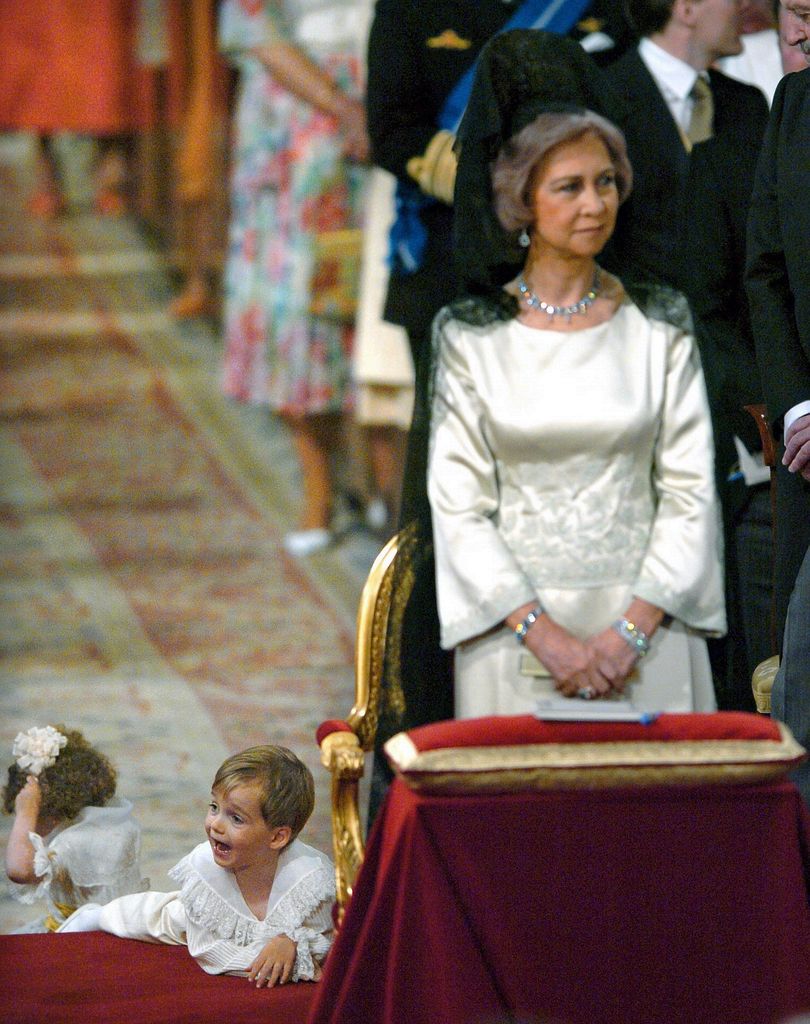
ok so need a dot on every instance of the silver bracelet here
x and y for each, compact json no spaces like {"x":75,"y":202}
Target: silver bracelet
{"x":522,"y":628}
{"x":631,"y":634}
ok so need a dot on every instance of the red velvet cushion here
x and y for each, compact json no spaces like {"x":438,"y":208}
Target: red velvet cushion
{"x":519,"y":729}
{"x":328,"y":727}
{"x":514,"y":753}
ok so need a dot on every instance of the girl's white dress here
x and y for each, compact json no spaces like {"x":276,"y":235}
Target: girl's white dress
{"x":209,"y":915}
{"x":93,"y":859}
{"x":574,"y":469}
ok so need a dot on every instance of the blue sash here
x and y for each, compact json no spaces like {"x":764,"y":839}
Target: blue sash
{"x":408,"y":236}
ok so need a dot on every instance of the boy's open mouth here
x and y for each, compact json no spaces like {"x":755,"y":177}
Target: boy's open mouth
{"x":221,"y":848}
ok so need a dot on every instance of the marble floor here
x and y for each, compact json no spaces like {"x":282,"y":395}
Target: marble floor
{"x":145,"y":597}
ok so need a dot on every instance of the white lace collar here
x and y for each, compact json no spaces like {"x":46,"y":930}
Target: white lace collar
{"x":213,"y":900}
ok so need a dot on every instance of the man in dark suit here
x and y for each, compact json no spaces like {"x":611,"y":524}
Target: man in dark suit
{"x":417,"y":53}
{"x":719,"y":186}
{"x":658,"y":82}
{"x":778,"y":282}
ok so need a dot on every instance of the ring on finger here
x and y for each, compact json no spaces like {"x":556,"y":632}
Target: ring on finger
{"x":586,"y":693}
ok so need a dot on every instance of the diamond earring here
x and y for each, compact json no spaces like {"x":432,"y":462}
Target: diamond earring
{"x":523,"y":239}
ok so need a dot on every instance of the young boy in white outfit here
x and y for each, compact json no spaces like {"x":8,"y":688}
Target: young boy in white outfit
{"x":253,"y":900}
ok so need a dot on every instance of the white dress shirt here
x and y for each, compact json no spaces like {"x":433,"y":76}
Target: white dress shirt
{"x":674,"y":78}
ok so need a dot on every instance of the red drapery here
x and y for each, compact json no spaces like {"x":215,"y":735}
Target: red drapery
{"x":95,"y":978}
{"x":603,"y":907}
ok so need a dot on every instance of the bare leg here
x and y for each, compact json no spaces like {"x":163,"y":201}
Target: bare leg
{"x":47,"y":199}
{"x":315,"y":439}
{"x":195,"y":298}
{"x":111,"y":177}
{"x":387,"y":453}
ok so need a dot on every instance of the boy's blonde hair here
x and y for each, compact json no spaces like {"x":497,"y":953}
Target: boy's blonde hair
{"x":286,"y":784}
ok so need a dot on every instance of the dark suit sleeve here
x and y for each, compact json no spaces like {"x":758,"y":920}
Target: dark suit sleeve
{"x":401,"y":116}
{"x":719,"y":186}
{"x":783,"y":365}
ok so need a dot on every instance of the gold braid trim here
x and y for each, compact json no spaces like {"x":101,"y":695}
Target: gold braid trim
{"x":592,"y":765}
{"x":435,"y":170}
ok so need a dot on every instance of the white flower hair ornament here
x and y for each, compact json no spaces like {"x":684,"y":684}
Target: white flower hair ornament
{"x":38,"y":748}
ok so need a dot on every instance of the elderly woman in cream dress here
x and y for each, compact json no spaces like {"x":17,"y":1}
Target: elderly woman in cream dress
{"x":570,"y":474}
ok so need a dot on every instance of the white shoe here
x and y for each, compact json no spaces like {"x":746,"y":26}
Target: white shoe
{"x":377,"y":514}
{"x":300,"y":543}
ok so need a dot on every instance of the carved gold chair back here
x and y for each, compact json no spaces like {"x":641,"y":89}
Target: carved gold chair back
{"x":345,"y":744}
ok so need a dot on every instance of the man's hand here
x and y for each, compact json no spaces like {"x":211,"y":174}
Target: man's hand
{"x":797,"y":447}
{"x":275,"y":962}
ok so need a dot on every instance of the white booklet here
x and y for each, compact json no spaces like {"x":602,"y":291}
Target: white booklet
{"x":575,"y":709}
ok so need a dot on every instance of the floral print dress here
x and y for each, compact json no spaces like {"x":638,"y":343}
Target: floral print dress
{"x":289,"y":182}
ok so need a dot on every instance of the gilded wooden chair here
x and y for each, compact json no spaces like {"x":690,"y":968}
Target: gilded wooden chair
{"x":345,"y":743}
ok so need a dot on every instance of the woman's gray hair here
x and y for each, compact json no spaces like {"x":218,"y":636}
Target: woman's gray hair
{"x":514,"y":168}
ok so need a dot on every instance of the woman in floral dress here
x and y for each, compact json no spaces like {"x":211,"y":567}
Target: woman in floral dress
{"x":299,"y":139}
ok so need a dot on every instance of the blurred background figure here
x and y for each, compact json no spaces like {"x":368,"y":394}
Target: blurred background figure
{"x":182,"y":163}
{"x":759,"y":63}
{"x":69,"y":66}
{"x":296,"y":185}
{"x":675,"y":99}
{"x":383,"y":368}
{"x":199,"y":85}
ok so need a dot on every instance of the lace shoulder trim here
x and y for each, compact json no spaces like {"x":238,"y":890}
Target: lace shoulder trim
{"x":302,"y":900}
{"x":207,"y":909}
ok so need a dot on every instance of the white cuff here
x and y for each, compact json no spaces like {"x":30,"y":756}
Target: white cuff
{"x":85,"y":919}
{"x":802,"y":409}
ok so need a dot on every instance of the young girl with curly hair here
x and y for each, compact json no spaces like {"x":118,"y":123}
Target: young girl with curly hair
{"x":72,"y":841}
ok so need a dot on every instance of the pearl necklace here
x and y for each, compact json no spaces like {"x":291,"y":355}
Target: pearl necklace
{"x":534,"y":302}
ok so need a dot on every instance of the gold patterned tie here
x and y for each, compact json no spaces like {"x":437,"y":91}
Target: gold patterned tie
{"x":700,"y":126}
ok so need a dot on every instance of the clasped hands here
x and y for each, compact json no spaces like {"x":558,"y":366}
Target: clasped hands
{"x":602,"y":663}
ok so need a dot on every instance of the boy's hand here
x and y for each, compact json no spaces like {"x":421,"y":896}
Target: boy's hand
{"x":275,"y":962}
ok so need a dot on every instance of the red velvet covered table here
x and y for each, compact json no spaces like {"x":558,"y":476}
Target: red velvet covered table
{"x":674,"y":905}
{"x":95,"y":978}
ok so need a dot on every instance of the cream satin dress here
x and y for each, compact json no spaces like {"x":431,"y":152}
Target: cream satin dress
{"x":574,"y":469}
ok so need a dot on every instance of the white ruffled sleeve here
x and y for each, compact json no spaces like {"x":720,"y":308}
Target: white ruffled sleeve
{"x":313,"y":939}
{"x":43,"y":868}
